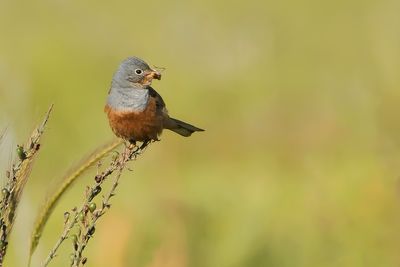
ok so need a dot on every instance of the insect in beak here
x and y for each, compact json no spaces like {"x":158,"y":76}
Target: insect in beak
{"x":153,"y":74}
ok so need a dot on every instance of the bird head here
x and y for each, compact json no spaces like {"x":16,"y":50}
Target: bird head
{"x":134,"y":72}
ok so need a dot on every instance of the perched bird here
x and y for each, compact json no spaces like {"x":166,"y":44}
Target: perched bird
{"x":136,"y":112}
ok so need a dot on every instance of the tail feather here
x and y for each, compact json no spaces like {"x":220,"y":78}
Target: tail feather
{"x":182,"y":128}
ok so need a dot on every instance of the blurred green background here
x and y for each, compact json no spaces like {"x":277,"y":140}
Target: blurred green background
{"x":299,"y":165}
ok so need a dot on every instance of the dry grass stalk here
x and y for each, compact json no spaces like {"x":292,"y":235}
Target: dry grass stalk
{"x":16,"y":180}
{"x":67,"y":181}
{"x":86,"y":216}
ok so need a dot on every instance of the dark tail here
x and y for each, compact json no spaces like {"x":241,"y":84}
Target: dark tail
{"x":181,"y":127}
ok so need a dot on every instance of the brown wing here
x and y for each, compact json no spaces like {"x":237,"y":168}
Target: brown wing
{"x":160,"y":104}
{"x":180,"y":127}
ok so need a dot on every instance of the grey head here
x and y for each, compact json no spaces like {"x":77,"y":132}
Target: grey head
{"x":129,"y":86}
{"x":135,"y":72}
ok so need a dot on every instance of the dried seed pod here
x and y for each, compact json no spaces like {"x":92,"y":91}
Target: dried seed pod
{"x":5,"y":193}
{"x":98,"y":178}
{"x":91,"y":230}
{"x":21,"y":153}
{"x":95,"y":192}
{"x":81,"y":217}
{"x":92,"y":207}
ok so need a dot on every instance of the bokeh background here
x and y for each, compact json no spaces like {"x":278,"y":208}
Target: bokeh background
{"x":300,"y":162}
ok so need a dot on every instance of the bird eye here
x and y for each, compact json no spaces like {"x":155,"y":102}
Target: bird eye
{"x":138,"y":71}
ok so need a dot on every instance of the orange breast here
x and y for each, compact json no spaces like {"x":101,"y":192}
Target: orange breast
{"x":136,"y":126}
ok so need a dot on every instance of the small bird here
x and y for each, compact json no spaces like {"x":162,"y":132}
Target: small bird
{"x":136,"y":112}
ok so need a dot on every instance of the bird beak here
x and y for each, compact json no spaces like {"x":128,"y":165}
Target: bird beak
{"x":153,"y":74}
{"x":149,"y":76}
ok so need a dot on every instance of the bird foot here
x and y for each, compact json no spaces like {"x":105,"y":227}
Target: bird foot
{"x":131,"y":144}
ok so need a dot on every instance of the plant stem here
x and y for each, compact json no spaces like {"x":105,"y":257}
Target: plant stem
{"x":87,"y":229}
{"x":87,"y":234}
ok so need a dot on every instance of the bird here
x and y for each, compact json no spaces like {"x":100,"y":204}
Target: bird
{"x":136,"y":112}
